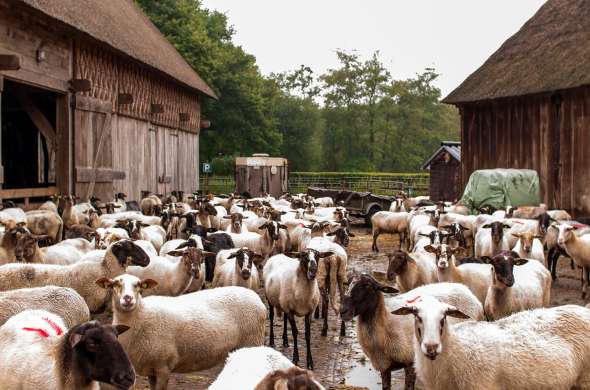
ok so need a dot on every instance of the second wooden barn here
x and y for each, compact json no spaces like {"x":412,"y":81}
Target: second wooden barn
{"x":528,"y":105}
{"x":94,"y":101}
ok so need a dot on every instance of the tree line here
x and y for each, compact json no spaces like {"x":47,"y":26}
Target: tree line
{"x":355,"y":117}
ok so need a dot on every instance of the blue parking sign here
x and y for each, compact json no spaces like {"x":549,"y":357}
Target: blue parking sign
{"x":207,"y":168}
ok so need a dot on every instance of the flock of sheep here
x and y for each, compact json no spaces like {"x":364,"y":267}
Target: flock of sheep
{"x":184,"y":277}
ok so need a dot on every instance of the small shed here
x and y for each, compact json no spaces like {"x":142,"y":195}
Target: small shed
{"x":262,"y":174}
{"x":445,"y":172}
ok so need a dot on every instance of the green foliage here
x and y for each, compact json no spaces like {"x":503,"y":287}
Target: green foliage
{"x":355,"y":117}
{"x":360,"y":174}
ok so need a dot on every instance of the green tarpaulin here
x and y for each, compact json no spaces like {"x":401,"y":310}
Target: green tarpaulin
{"x":502,"y":187}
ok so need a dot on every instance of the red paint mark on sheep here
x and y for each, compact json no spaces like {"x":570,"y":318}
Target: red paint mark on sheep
{"x":414,"y":299}
{"x":42,"y":332}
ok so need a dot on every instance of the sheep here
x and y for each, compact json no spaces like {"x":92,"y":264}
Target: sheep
{"x":538,"y":349}
{"x":194,"y":241}
{"x":51,"y":204}
{"x":290,"y":286}
{"x":151,"y":205}
{"x":27,"y":250}
{"x":411,"y":270}
{"x":529,"y":212}
{"x":262,"y":368}
{"x":120,"y":200}
{"x":263,"y":244}
{"x":331,"y":276}
{"x":8,"y":241}
{"x":519,"y":226}
{"x":237,"y":269}
{"x":578,"y":248}
{"x":73,"y":215}
{"x":63,"y":301}
{"x":475,"y":276}
{"x":528,"y":286}
{"x":39,"y":352}
{"x":551,"y":233}
{"x":45,"y":222}
{"x":559,"y":215}
{"x":175,"y":277}
{"x":79,"y":276}
{"x":388,"y":222}
{"x":236,"y":225}
{"x":325,"y":201}
{"x":493,"y":241}
{"x":529,"y":246}
{"x":387,"y":339}
{"x":79,"y":230}
{"x":15,"y":213}
{"x":457,"y":233}
{"x":200,"y":328}
{"x":152,"y":233}
{"x":147,"y":247}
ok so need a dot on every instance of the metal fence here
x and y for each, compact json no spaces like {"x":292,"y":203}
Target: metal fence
{"x":382,"y":184}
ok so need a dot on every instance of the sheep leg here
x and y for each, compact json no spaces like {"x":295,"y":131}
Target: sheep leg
{"x":294,"y":333}
{"x":342,"y":328}
{"x":308,"y":341}
{"x":376,"y":233}
{"x":162,"y":377}
{"x":325,"y":303}
{"x":550,"y":260}
{"x":316,"y":313}
{"x":584,"y":282}
{"x":285,"y":338}
{"x":572,"y":264}
{"x":386,"y":379}
{"x":410,"y":380}
{"x":271,"y":317}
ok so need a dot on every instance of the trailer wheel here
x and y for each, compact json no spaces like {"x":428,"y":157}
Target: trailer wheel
{"x":374,"y":209}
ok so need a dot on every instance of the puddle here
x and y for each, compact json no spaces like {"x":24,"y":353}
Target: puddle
{"x":362,"y":374}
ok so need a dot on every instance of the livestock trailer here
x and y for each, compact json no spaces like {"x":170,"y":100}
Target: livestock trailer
{"x":262,"y":174}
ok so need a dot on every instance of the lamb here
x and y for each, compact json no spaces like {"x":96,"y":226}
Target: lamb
{"x":392,"y":223}
{"x":387,"y":339}
{"x":290,"y":286}
{"x":493,"y":241}
{"x":192,"y":340}
{"x":519,"y":226}
{"x":63,"y":301}
{"x":331,"y":276}
{"x":79,"y":276}
{"x":236,"y":269}
{"x":175,"y":276}
{"x":516,"y":352}
{"x":236,"y":225}
{"x":528,"y":286}
{"x":475,"y":276}
{"x":411,"y":270}
{"x":39,"y":352}
{"x":529,"y":246}
{"x":578,"y":248}
{"x":45,"y":222}
{"x":262,"y":368}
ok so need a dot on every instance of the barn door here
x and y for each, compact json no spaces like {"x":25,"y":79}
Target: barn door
{"x":94,"y":175}
{"x":167,"y":145}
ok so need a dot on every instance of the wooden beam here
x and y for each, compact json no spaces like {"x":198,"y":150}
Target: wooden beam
{"x":80,"y":85}
{"x":38,"y":118}
{"x":28,"y":192}
{"x":9,"y":62}
{"x":86,"y":103}
{"x":98,"y":175}
{"x":125,"y":98}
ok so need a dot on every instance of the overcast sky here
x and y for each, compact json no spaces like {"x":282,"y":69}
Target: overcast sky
{"x":454,"y":36}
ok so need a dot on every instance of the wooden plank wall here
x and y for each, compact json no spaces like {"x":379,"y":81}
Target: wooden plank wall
{"x":524,"y":133}
{"x":22,"y":33}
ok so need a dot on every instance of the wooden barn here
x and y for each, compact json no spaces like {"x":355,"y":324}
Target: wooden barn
{"x":94,"y":101}
{"x":528,"y":105}
{"x":445,"y":172}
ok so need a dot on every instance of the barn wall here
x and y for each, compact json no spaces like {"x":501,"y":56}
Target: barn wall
{"x":444,"y":179}
{"x":547,"y":133}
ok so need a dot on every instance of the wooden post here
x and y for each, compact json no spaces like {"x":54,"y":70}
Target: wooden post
{"x":1,"y":164}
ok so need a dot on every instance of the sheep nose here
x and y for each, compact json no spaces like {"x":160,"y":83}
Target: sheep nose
{"x":127,"y":298}
{"x":431,"y":350}
{"x":124,"y":379}
{"x":245,"y":273}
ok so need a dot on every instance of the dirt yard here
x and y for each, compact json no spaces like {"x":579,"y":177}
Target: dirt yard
{"x":340,"y":361}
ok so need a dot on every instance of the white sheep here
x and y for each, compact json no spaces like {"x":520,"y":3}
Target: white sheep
{"x":79,"y":276}
{"x":39,"y":352}
{"x":491,"y":239}
{"x":387,"y":339}
{"x":238,"y":268}
{"x":542,"y":349}
{"x":262,"y":368}
{"x":391,"y":223}
{"x":513,"y":289}
{"x":290,"y":286}
{"x":200,"y":328}
{"x":578,"y":247}
{"x":411,"y":270}
{"x":63,"y":301}
{"x":529,"y":246}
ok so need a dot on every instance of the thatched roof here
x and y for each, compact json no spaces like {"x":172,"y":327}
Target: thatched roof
{"x":123,"y":26}
{"x":550,"y":52}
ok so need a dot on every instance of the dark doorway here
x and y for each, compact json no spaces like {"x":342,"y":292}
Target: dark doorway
{"x":26,"y":157}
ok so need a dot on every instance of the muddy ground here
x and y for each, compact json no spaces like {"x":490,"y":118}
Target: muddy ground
{"x":340,"y":361}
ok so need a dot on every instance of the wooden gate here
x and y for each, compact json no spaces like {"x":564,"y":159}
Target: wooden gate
{"x":94,"y":174}
{"x":167,"y":150}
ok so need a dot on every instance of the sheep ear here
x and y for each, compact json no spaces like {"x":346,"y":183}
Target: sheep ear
{"x":456,"y":313}
{"x":458,"y":250}
{"x":430,"y":249}
{"x":257,"y":259}
{"x":105,"y":283}
{"x":520,"y":261}
{"x":281,"y":226}
{"x":231,"y":256}
{"x":263,"y":226}
{"x":74,"y":339}
{"x":207,"y":254}
{"x":331,"y":234}
{"x":175,"y":253}
{"x":504,"y":226}
{"x":325,"y":254}
{"x":227,"y":217}
{"x":515,"y":254}
{"x":351,"y":234}
{"x":486,"y":259}
{"x":120,"y":329}
{"x":405,"y":310}
{"x":147,"y":283}
{"x":246,"y":217}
